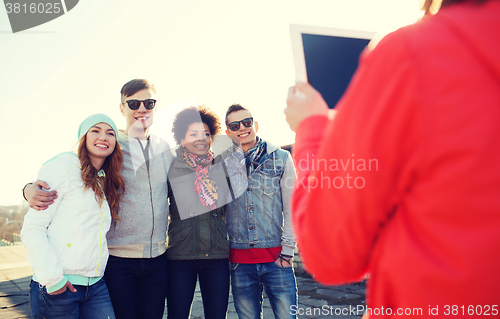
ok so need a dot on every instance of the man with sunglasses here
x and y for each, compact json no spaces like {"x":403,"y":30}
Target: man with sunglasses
{"x":258,"y":219}
{"x":136,"y":272}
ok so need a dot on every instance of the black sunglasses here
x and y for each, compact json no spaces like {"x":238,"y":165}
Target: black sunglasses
{"x":234,"y":126}
{"x":149,"y":104}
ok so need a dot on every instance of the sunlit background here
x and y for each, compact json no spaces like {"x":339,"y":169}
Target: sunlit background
{"x":214,"y":53}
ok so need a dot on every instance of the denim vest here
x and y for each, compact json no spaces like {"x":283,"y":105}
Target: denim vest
{"x":259,"y":215}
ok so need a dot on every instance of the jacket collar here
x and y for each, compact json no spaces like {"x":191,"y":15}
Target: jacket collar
{"x":180,"y":163}
{"x":269,"y":147}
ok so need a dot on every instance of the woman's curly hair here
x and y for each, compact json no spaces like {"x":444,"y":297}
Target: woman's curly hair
{"x":195,"y":114}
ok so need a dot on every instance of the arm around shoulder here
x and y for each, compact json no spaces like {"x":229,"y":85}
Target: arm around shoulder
{"x":38,"y":195}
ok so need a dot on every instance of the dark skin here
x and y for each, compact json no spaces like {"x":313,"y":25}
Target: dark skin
{"x":38,"y":198}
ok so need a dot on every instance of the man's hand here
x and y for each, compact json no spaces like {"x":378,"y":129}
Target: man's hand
{"x":303,"y":101}
{"x":38,"y":198}
{"x":68,"y":285}
{"x":283,"y":263}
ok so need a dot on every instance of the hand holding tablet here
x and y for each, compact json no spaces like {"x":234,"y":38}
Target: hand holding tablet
{"x":327,"y":58}
{"x":304,"y":101}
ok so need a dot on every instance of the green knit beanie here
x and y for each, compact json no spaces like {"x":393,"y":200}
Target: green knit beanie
{"x":93,"y":120}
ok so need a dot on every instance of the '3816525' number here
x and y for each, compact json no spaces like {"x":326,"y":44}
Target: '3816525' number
{"x":33,"y":8}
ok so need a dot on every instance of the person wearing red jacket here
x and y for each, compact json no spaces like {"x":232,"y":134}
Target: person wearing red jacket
{"x":403,"y":183}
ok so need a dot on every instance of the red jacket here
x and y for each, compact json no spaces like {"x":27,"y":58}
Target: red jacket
{"x":404,"y":184}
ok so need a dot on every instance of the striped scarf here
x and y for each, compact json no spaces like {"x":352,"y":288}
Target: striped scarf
{"x":254,"y":156}
{"x":204,"y":185}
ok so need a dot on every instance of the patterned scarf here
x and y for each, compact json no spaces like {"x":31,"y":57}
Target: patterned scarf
{"x":254,"y":156}
{"x":204,"y":185}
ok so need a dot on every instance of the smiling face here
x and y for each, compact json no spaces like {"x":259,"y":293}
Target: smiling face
{"x":246,"y":137}
{"x":138,"y":121}
{"x":101,"y":142}
{"x":198,"y":139}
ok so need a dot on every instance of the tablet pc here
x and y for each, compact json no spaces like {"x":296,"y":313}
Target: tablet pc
{"x":327,"y":57}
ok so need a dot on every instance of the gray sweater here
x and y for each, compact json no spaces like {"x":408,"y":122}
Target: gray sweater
{"x":141,"y":230}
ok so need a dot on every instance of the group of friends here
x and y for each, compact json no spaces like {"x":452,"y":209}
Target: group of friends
{"x":227,"y":216}
{"x":424,"y":227}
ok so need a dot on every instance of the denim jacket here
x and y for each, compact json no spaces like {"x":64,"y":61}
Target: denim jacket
{"x":259,"y":215}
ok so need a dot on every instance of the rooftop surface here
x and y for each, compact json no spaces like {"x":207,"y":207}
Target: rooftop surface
{"x":315,"y":300}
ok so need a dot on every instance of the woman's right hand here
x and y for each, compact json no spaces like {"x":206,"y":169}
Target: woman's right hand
{"x":38,"y":198}
{"x":303,"y":101}
{"x":68,"y":285}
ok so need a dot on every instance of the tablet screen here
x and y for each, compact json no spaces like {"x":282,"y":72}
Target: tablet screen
{"x":327,"y":58}
{"x":331,"y":62}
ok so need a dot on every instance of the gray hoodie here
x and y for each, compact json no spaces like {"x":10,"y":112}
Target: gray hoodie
{"x":141,"y":230}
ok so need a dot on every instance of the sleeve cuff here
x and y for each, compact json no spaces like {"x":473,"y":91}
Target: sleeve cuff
{"x":57,"y":286}
{"x":285,"y":250}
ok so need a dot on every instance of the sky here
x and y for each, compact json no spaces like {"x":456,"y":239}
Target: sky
{"x":210,"y":52}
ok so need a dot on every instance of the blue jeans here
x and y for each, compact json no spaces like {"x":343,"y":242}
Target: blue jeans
{"x":88,"y":302}
{"x":214,"y":284}
{"x":137,"y":286}
{"x":248,"y":281}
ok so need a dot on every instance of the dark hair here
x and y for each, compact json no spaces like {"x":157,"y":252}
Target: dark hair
{"x":194,"y":114}
{"x":428,"y":3}
{"x":114,"y":186}
{"x":136,"y":85}
{"x":235,"y":108}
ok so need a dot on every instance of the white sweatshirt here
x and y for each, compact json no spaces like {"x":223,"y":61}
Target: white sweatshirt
{"x":69,"y":237}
